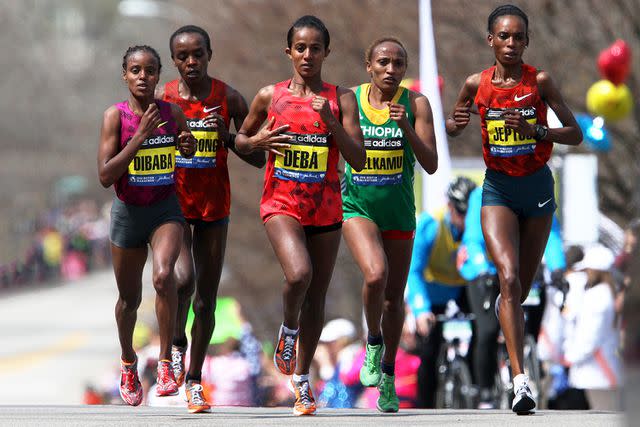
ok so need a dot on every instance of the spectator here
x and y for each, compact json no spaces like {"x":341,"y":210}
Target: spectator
{"x":592,"y":344}
{"x":336,"y":357}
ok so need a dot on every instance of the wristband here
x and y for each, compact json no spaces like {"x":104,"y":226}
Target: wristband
{"x":541,"y":132}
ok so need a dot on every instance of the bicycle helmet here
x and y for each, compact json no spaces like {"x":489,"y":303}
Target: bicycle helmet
{"x":459,"y":191}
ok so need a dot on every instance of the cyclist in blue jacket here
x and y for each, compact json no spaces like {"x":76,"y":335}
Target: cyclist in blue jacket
{"x":434,"y":280}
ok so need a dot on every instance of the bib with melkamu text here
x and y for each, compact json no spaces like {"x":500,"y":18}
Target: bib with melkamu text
{"x":206,"y":146}
{"x":505,"y":142}
{"x":154,"y":162}
{"x":385,"y":156}
{"x":305,"y":160}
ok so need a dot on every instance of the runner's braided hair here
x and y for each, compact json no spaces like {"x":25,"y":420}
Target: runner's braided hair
{"x":140,"y":48}
{"x":309,"y":21}
{"x":507,"y":10}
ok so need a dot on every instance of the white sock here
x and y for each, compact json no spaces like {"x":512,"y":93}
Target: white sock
{"x":520,"y":380}
{"x":288,"y":331}
{"x":297,"y":378}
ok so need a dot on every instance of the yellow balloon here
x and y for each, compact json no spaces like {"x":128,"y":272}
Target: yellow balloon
{"x":609,"y":101}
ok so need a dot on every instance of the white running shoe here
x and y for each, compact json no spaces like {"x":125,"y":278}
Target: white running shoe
{"x":523,"y":403}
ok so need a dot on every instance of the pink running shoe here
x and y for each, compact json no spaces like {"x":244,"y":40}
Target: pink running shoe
{"x":130,"y":387}
{"x":166,"y":384}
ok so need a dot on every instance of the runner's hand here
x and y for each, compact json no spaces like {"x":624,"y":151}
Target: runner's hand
{"x":425,"y":323}
{"x":216,"y":122}
{"x":321,"y":105}
{"x":271,"y":140}
{"x":462,"y":115}
{"x":149,"y":122}
{"x":398,"y":113}
{"x":513,"y":119}
{"x":186,"y":144}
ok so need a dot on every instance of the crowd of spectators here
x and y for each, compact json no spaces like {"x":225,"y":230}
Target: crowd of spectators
{"x":65,"y":244}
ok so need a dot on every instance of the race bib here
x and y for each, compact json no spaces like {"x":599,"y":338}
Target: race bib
{"x":505,"y":142}
{"x":206,"y":146}
{"x":385,"y":157}
{"x":306,"y":159}
{"x":154,"y":162}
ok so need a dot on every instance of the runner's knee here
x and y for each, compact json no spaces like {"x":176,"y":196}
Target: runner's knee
{"x":375,"y":279}
{"x":162,"y":279}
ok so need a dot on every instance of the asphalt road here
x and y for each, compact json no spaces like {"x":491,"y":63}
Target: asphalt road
{"x":128,"y":416}
{"x":58,"y":338}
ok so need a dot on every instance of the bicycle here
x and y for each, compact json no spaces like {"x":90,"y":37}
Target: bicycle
{"x":455,"y":388}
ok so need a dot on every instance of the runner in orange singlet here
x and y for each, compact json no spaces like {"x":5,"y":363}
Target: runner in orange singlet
{"x":202,"y":185}
{"x":310,"y":123}
{"x":518,"y":196}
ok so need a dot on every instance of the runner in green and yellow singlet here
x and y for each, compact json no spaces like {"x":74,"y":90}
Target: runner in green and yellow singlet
{"x":379,"y":206}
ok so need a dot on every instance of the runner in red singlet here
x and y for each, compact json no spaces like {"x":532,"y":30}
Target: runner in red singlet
{"x":202,"y":185}
{"x":518,"y":194}
{"x":309,"y":123}
{"x":137,"y":156}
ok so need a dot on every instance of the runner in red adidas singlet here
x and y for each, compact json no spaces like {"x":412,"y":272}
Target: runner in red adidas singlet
{"x":202,"y":185}
{"x":517,"y":199}
{"x":136,"y":155}
{"x":309,"y":123}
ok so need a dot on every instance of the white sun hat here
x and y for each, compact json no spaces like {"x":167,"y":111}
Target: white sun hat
{"x":596,"y":257}
{"x":336,"y":329}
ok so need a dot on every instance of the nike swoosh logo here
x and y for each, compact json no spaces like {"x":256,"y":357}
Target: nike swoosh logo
{"x":543,"y":203}
{"x":520,"y":98}
{"x":208,"y":110}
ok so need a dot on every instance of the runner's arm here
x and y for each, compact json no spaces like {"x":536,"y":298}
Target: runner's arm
{"x":570,"y":133}
{"x":422,"y":138}
{"x":238,"y":111}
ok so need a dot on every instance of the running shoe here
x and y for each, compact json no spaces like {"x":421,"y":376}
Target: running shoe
{"x":166,"y":383}
{"x":523,"y":403}
{"x":285,"y":355}
{"x":177,"y":363}
{"x":130,"y":387}
{"x":305,"y":404}
{"x":388,"y":400}
{"x":195,"y":398}
{"x":370,"y":373}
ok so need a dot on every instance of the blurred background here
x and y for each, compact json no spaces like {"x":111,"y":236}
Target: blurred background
{"x":61,"y":69}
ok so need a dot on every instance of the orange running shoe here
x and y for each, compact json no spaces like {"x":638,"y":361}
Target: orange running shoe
{"x":177,"y":363}
{"x":285,"y":355}
{"x":196,"y":401}
{"x":305,"y":404}
{"x":130,"y":387}
{"x":166,"y":383}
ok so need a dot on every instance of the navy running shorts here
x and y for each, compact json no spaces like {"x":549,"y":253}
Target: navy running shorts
{"x":527,"y":196}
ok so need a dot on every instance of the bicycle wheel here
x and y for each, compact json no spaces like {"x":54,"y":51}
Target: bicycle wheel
{"x":443,"y":391}
{"x":503,"y":377}
{"x":462,"y":390}
{"x":531,"y":366}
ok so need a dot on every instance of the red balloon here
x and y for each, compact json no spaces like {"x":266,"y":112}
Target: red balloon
{"x":614,"y":62}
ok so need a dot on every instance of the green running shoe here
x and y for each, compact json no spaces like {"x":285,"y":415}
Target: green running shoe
{"x":388,"y":400}
{"x":370,"y":373}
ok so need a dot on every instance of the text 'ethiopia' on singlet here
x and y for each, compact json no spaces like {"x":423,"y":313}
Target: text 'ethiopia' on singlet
{"x":202,"y":182}
{"x":150,"y":174}
{"x":505,"y":150}
{"x":303,"y":182}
